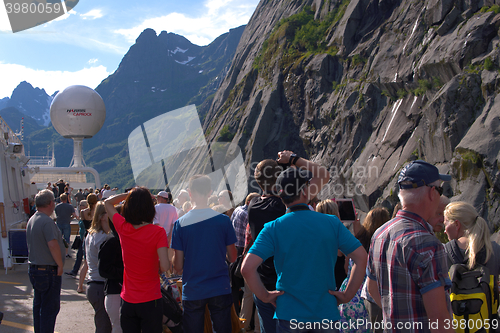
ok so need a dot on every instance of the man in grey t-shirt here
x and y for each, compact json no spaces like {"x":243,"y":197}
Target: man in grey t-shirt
{"x":79,"y":196}
{"x":65,"y":212}
{"x":46,"y":262}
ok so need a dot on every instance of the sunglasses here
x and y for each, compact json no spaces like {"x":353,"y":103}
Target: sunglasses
{"x":439,"y":189}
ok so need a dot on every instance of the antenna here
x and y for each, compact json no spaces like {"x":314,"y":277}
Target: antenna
{"x":77,"y":112}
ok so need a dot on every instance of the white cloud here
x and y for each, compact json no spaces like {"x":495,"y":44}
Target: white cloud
{"x":220,"y":16}
{"x":92,"y":15}
{"x":63,"y":17}
{"x":51,"y":81}
{"x":215,"y":5}
{"x":93,"y":61}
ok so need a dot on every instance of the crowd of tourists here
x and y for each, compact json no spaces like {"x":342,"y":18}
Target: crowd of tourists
{"x":283,"y":259}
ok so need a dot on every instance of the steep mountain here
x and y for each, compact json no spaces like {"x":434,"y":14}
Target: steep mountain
{"x":3,"y":102}
{"x":158,"y":74}
{"x":13,"y":116}
{"x":364,"y":86}
{"x":32,"y":102}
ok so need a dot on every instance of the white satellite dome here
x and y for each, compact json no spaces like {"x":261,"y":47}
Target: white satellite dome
{"x":77,"y":112}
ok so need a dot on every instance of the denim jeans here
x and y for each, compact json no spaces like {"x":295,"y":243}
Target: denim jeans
{"x":65,"y":230}
{"x":78,"y":260}
{"x":193,"y":318}
{"x":287,"y":326}
{"x":47,"y":296}
{"x":266,"y":314}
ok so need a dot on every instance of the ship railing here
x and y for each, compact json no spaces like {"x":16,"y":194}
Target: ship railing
{"x":8,"y":135}
{"x":40,"y":161}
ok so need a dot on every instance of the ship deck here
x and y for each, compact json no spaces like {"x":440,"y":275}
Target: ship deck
{"x":16,"y":301}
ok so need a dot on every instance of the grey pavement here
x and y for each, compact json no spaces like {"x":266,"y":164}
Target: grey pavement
{"x":16,"y":300}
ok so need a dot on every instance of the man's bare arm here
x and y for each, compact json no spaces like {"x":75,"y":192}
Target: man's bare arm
{"x":232,"y":253}
{"x":437,"y":309}
{"x":178,"y":261}
{"x":373,"y":291}
{"x":249,"y":272}
{"x":356,"y":278}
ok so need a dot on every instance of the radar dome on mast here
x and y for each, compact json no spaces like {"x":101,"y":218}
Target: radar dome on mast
{"x":77,"y":112}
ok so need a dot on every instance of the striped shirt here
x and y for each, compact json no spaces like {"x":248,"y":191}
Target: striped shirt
{"x":407,"y":260}
{"x":240,"y":222}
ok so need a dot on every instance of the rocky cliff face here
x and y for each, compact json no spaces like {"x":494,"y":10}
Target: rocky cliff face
{"x":32,"y":102}
{"x":364,"y":86}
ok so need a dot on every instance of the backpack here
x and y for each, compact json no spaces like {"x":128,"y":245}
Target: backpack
{"x":171,"y":309}
{"x":172,"y":312}
{"x":474,"y":297}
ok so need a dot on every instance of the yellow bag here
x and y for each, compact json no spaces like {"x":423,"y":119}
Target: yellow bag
{"x":474,"y":298}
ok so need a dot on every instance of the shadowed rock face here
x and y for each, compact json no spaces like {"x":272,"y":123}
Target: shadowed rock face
{"x":393,"y":82}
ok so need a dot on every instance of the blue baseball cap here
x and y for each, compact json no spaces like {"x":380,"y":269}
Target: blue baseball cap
{"x":420,"y":173}
{"x":291,"y":181}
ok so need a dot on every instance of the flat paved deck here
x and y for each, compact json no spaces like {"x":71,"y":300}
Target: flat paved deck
{"x":16,"y":302}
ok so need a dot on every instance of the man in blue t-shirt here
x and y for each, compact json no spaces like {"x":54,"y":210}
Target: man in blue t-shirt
{"x":202,"y":238}
{"x":304,"y":244}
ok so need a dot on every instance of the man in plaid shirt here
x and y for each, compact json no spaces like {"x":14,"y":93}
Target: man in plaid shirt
{"x":407,"y":269}
{"x":239,"y":218}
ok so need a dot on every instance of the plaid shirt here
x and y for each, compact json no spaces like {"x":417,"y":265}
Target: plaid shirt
{"x":240,"y":222}
{"x":407,"y":260}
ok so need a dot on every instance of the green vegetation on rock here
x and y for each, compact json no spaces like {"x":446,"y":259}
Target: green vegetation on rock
{"x":494,"y":8}
{"x":225,"y":134}
{"x":298,"y":36}
{"x":423,"y":87}
{"x":357,"y":59}
{"x":488,"y":64}
{"x":469,"y":165}
{"x":402,"y":93}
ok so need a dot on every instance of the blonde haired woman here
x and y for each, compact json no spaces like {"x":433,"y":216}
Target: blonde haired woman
{"x":86,"y":217}
{"x":98,"y":233}
{"x":469,"y":237}
{"x":329,"y":207}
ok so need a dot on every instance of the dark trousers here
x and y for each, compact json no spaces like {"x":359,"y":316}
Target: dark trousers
{"x":78,"y":260}
{"x":147,"y":317}
{"x":236,"y":285}
{"x":375,"y":314}
{"x":47,"y":297}
{"x":193,"y":317}
{"x":266,"y":314}
{"x":95,"y":295}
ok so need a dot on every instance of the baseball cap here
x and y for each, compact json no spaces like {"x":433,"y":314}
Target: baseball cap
{"x":163,"y":194}
{"x":291,"y":181}
{"x":420,"y":173}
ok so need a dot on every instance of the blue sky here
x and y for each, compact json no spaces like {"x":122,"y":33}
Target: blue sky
{"x":87,"y":44}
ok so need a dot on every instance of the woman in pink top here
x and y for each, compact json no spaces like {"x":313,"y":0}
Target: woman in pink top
{"x":144,"y":249}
